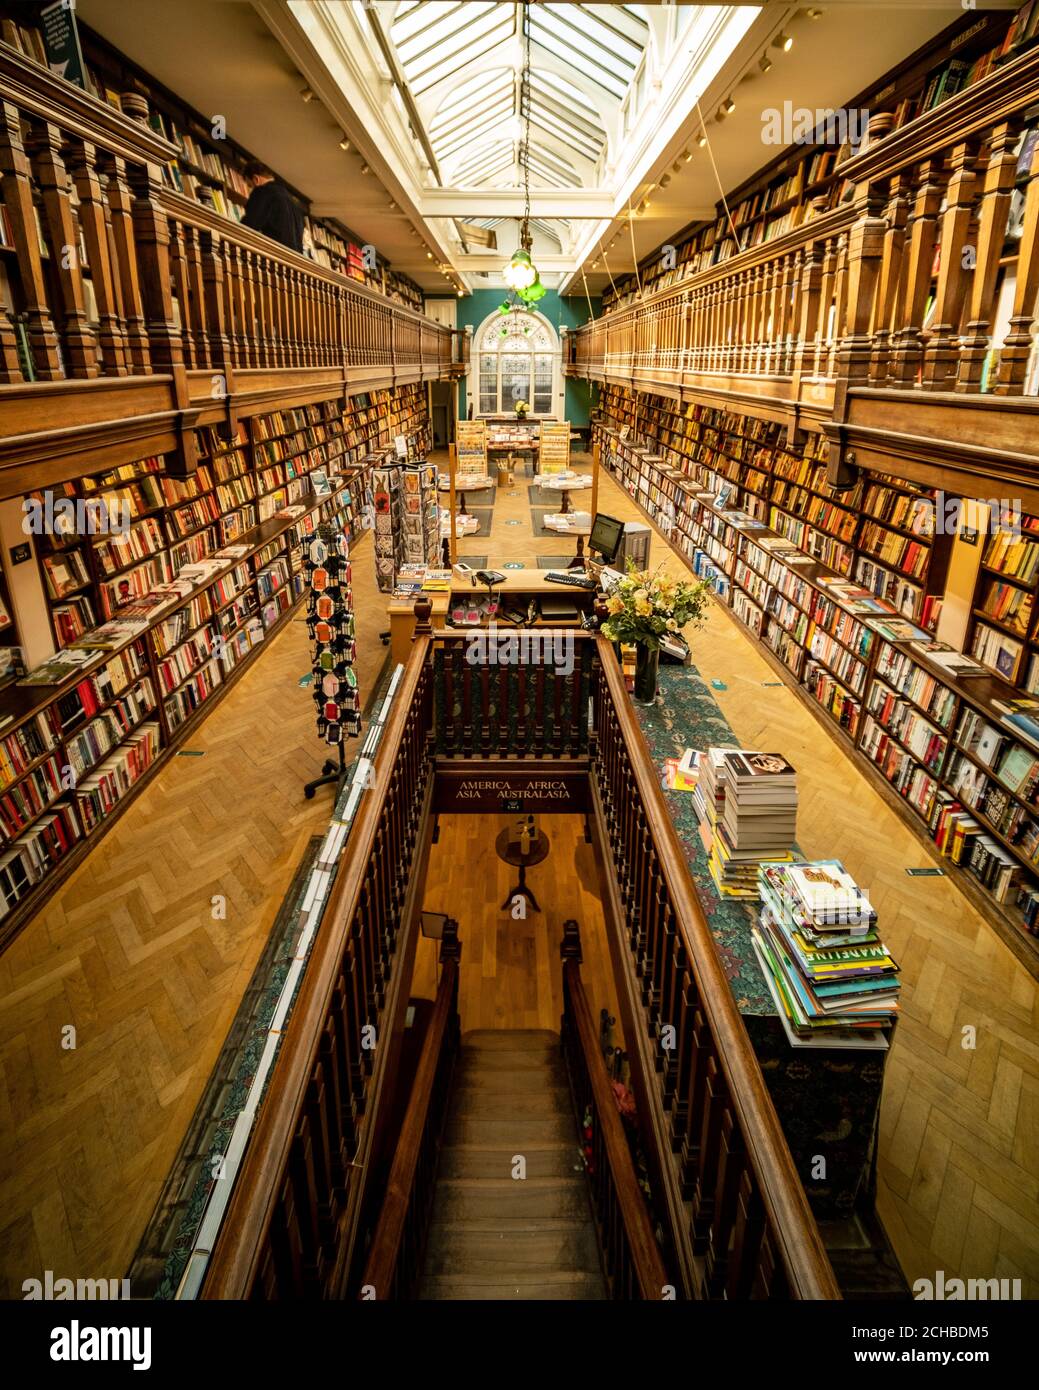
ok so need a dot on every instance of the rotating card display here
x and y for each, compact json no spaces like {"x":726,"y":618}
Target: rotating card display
{"x":404,"y":498}
{"x":330,"y":623}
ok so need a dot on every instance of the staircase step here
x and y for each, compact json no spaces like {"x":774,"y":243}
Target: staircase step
{"x":510,"y":1249}
{"x":518,"y":1105}
{"x":541,"y":1285}
{"x":494,"y":1161}
{"x":510,"y":1058}
{"x":478,"y":1199}
{"x":511,"y":1132}
{"x":511,"y":1039}
{"x":511,"y":1079}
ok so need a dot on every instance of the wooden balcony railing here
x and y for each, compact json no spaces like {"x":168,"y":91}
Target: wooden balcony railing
{"x":394,"y":1258}
{"x":290,"y":1226}
{"x":752,"y":1231}
{"x":841,"y":303}
{"x":303,"y":1196}
{"x":176,"y":285}
{"x":527,"y":699}
{"x":632,"y":1261}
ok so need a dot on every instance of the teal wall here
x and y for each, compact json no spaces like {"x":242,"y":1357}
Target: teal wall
{"x":569,"y":311}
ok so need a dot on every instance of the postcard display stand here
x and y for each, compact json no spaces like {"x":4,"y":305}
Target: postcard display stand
{"x":406,"y":519}
{"x":554,"y":448}
{"x":330,"y":623}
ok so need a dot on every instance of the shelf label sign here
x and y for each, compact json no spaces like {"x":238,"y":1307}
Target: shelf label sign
{"x":61,"y":42}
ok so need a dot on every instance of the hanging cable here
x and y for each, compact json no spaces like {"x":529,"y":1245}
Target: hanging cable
{"x":634,"y":257}
{"x":606,"y":263}
{"x":717,"y":176}
{"x":587,"y":296}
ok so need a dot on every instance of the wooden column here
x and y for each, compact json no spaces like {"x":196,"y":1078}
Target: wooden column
{"x":16,"y":186}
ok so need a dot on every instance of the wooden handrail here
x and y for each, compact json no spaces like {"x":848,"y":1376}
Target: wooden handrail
{"x":790,"y":1218}
{"x":381,"y":1266}
{"x":650,"y":1274}
{"x":233,"y":1265}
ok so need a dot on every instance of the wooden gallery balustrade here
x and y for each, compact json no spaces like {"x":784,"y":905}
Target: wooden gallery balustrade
{"x":825,"y":324}
{"x":301,"y":1219}
{"x":198,"y":319}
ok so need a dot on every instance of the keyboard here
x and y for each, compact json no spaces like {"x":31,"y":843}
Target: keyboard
{"x":575,"y":579}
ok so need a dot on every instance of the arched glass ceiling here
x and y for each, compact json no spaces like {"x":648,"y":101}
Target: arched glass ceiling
{"x":477,"y":117}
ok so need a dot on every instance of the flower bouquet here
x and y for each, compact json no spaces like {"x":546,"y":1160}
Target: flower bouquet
{"x":643,"y":607}
{"x":521,"y":408}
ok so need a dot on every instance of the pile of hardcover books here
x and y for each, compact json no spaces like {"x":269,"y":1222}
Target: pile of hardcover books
{"x":750,"y":804}
{"x":830,"y":975}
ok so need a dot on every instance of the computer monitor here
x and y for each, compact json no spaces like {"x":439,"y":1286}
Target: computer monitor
{"x":606,"y":536}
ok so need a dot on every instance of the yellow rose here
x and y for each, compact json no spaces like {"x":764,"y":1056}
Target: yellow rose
{"x":614,"y":604}
{"x":643,"y":608}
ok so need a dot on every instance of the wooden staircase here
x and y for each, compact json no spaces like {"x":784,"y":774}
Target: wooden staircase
{"x":493,"y":1235}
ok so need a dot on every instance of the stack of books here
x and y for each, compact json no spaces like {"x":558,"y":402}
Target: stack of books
{"x":755,"y":810}
{"x":829,"y":974}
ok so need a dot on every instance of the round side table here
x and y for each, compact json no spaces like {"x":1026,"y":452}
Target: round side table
{"x":510,"y":853}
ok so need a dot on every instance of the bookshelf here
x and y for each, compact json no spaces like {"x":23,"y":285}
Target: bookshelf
{"x":862,"y":657}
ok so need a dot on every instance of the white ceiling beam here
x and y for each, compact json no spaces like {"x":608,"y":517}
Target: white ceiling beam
{"x":544,"y":202}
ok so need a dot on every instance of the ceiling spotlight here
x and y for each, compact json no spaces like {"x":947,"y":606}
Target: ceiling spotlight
{"x":721,"y":114}
{"x":783,"y":42}
{"x":429,"y":255}
{"x":307,"y":94}
{"x":687,"y":154}
{"x":814,"y":13}
{"x":676,"y":167}
{"x":344,"y":143}
{"x":729,"y":106}
{"x":392,"y":204}
{"x":665,"y":179}
{"x":765,"y":63}
{"x":702,"y":138}
{"x":365,"y":169}
{"x":459,"y":294}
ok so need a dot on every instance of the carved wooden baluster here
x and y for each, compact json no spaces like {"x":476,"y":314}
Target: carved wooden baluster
{"x":16,"y":186}
{"x":179,"y":278}
{"x":268,"y":312}
{"x":197,"y":295}
{"x":759,"y":321}
{"x":889,"y":284}
{"x":811,"y":298}
{"x":921,"y":232}
{"x":251,"y":308}
{"x":732,"y":1161}
{"x":860,"y":255}
{"x":44,"y":149}
{"x":236,"y":286}
{"x":310,"y":306}
{"x":1017,"y":345}
{"x":791,"y":310}
{"x":746,"y":1258}
{"x":218,"y":340}
{"x":821,"y":328}
{"x":120,"y":211}
{"x":92,"y":220}
{"x":837,"y":325}
{"x":940,"y":353}
{"x":151,"y":238}
{"x":714,"y":1102}
{"x":699,"y":1042}
{"x":677,"y":1077}
{"x":997,"y":189}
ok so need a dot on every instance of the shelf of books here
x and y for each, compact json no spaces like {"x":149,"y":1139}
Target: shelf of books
{"x":805,"y":181}
{"x":953,"y":740}
{"x":160,"y":590}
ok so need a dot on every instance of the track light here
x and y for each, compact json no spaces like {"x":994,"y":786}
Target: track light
{"x":344,"y":143}
{"x":765,"y":63}
{"x":665,"y":179}
{"x":783,"y":42}
{"x":702,"y":139}
{"x":814,"y":13}
{"x":687,"y":155}
{"x":429,"y":255}
{"x":729,"y":106}
{"x":307,"y":94}
{"x":365,"y":169}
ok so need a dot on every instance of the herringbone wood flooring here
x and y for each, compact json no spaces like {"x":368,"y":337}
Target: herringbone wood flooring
{"x":130,"y":954}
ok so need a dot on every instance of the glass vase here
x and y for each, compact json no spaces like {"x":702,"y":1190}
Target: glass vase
{"x":647,"y":660}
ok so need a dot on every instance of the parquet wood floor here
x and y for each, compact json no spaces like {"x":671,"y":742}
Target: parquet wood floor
{"x":129,"y":953}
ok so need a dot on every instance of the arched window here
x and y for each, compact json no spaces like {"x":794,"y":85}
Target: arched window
{"x":518,"y":356}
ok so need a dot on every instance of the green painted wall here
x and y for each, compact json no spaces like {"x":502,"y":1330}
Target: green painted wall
{"x":569,"y":311}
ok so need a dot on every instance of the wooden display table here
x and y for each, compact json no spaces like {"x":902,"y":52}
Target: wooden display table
{"x":564,"y":483}
{"x":537,"y":853}
{"x":521,"y":584}
{"x":467,"y":483}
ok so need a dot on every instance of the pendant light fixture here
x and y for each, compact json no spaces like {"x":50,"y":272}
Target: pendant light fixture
{"x":521,"y":274}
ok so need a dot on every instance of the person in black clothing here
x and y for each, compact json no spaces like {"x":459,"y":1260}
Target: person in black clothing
{"x":271,"y":209}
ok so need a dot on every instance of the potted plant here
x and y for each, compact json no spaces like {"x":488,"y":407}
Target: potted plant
{"x":642,"y":607}
{"x":521,"y":409}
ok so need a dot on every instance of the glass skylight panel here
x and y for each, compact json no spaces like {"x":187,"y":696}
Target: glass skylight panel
{"x":547,"y":122}
{"x":457,"y":50}
{"x":460,"y":99}
{"x":600,"y":54}
{"x":421,"y":28}
{"x":572,"y":96}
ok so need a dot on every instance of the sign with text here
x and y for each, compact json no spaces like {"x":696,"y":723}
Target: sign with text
{"x":61,"y":41}
{"x":492,"y":789}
